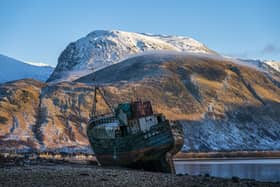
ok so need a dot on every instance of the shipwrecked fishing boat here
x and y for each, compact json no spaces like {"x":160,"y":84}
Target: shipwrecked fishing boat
{"x":132,"y":135}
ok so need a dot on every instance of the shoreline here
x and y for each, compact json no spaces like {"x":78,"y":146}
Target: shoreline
{"x":179,"y":155}
{"x":73,"y":172}
{"x":69,"y":174}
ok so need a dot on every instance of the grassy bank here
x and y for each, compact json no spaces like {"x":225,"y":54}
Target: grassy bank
{"x":12,"y":158}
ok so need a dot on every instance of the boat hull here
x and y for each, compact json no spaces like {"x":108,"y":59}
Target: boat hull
{"x":145,"y":150}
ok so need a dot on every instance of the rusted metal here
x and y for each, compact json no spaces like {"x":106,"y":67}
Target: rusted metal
{"x":134,"y":136}
{"x":148,"y":108}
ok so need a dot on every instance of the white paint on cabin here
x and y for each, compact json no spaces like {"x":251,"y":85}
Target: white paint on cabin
{"x":147,"y":122}
{"x":122,"y":117}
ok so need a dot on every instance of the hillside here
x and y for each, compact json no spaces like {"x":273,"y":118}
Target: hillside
{"x":222,"y":105}
{"x":12,"y":69}
{"x":102,"y":48}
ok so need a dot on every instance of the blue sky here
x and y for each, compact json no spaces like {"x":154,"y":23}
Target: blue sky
{"x":38,"y":30}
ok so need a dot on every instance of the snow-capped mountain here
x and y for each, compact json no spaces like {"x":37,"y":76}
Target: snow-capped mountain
{"x":12,"y":69}
{"x":102,"y":48}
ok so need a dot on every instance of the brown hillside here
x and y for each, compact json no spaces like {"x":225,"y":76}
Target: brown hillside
{"x":223,"y":106}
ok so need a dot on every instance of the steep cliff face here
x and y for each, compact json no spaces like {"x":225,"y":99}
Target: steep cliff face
{"x":64,"y":112}
{"x":222,"y":105}
{"x":102,"y":48}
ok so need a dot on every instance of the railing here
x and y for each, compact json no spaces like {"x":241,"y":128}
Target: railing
{"x":102,"y":119}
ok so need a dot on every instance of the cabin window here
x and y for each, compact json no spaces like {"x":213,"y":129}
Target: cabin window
{"x":105,"y":131}
{"x":123,"y":130}
{"x":159,"y":119}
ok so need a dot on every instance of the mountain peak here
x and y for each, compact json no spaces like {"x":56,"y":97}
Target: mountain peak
{"x":98,"y":33}
{"x":102,"y":48}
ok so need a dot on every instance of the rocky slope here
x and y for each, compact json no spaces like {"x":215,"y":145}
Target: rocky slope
{"x":102,"y":48}
{"x":12,"y":69}
{"x":222,"y":105}
{"x":19,"y":107}
{"x":37,"y":116}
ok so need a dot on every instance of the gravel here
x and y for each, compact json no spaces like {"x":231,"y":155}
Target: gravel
{"x":91,"y":175}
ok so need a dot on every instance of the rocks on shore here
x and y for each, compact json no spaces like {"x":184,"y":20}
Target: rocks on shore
{"x":89,"y":175}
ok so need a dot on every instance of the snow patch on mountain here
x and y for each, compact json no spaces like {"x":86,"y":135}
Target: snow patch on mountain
{"x":183,"y":43}
{"x":261,"y":65}
{"x":230,"y":135}
{"x":273,"y":64}
{"x":38,"y":64}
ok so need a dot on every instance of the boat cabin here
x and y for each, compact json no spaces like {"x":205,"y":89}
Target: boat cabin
{"x":130,"y":118}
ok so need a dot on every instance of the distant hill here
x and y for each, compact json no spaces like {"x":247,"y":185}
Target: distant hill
{"x":12,"y":69}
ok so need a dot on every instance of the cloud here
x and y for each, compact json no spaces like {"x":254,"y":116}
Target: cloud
{"x":270,"y":49}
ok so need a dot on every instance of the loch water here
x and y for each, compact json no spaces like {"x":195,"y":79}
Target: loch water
{"x":258,"y":169}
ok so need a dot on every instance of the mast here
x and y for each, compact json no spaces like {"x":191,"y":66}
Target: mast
{"x":97,"y":89}
{"x":104,"y":98}
{"x":93,"y":110}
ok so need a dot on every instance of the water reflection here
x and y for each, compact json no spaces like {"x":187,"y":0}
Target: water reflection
{"x":260,"y":169}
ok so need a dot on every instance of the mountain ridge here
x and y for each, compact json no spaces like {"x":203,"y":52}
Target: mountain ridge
{"x":102,"y":48}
